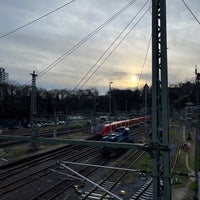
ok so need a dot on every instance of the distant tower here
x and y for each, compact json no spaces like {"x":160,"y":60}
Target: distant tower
{"x":3,"y":76}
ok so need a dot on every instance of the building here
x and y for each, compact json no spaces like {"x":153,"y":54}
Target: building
{"x":4,"y":76}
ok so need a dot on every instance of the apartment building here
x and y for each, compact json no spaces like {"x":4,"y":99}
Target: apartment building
{"x":4,"y":76}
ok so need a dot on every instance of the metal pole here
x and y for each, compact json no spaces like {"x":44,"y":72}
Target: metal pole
{"x":160,"y":121}
{"x":100,"y":166}
{"x":90,"y":181}
{"x":94,"y":115}
{"x":155,"y":140}
{"x":146,"y":88}
{"x":33,"y":112}
{"x":55,"y":124}
{"x":110,"y":106}
{"x":197,"y":138}
{"x":165,"y":105}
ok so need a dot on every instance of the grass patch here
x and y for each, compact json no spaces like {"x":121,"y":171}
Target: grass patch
{"x":181,"y":167}
{"x":172,"y":134}
{"x":25,"y":150}
{"x":77,"y":136}
{"x":144,"y":163}
{"x":182,"y":182}
{"x":192,"y":155}
{"x":17,"y":152}
{"x":129,"y":177}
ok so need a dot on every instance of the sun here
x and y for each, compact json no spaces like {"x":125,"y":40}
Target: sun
{"x":134,"y":79}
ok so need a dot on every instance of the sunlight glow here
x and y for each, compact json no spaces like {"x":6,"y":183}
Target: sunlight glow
{"x":134,"y":79}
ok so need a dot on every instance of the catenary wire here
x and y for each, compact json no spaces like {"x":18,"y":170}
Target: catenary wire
{"x":125,"y":28}
{"x":80,"y":43}
{"x":114,"y":48}
{"x":191,"y":11}
{"x":145,"y":59}
{"x":37,"y":19}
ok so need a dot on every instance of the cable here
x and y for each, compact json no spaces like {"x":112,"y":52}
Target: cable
{"x":145,"y":59}
{"x":35,"y":20}
{"x":114,"y":48}
{"x":110,"y":46}
{"x":191,"y":12}
{"x":80,"y":43}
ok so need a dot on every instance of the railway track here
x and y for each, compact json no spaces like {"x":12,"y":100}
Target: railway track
{"x":66,"y":183}
{"x":43,"y":178}
{"x":146,"y":191}
{"x":38,"y":177}
{"x":112,"y":180}
{"x":33,"y":172}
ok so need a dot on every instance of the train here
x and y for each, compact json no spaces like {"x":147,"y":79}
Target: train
{"x":104,"y":129}
{"x":121,"y":134}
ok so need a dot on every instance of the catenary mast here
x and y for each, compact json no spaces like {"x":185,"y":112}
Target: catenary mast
{"x":197,"y":139}
{"x":33,"y":111}
{"x":160,"y":118}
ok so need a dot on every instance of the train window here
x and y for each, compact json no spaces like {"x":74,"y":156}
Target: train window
{"x":99,"y":127}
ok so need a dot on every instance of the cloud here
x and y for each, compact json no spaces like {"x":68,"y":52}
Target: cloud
{"x":37,"y":46}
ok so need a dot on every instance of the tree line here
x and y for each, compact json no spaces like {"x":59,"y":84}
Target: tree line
{"x":15,"y":101}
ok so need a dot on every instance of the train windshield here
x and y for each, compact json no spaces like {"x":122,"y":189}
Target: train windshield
{"x":99,"y":127}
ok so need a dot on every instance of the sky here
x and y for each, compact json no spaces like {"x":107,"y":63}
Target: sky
{"x":127,"y":63}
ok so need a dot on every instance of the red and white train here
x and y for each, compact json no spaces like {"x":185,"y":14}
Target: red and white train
{"x":104,"y":129}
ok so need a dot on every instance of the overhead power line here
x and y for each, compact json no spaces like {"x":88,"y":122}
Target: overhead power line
{"x":109,"y":47}
{"x":115,"y":48}
{"x":80,"y":43}
{"x":35,"y":20}
{"x":191,"y":11}
{"x":145,"y":59}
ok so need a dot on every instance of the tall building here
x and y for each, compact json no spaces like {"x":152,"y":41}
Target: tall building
{"x":4,"y":76}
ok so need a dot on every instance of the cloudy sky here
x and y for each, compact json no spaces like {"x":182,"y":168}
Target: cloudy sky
{"x":97,"y":60}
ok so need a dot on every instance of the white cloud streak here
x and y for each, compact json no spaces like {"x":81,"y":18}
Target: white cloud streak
{"x":41,"y":43}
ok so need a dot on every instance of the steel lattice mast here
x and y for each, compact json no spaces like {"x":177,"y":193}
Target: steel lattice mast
{"x":197,"y":138}
{"x":160,"y":118}
{"x":33,"y":111}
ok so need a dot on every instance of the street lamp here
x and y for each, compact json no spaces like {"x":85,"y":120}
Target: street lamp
{"x":146,"y":90}
{"x":110,"y":105}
